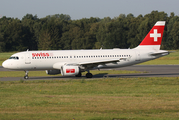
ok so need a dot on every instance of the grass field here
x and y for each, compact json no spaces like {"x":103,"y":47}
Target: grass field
{"x":94,"y":99}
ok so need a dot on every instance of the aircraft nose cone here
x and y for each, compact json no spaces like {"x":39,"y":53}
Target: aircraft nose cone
{"x":5,"y":64}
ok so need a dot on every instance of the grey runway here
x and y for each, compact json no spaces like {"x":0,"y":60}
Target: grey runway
{"x":148,"y":71}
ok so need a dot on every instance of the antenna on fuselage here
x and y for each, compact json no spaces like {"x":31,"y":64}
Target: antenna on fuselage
{"x":101,"y":47}
{"x":27,"y":50}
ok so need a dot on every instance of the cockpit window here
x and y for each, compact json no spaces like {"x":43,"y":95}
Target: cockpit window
{"x":14,"y":57}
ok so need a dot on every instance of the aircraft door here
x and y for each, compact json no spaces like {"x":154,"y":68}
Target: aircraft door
{"x":73,"y":58}
{"x":137,"y":55}
{"x":27,"y":58}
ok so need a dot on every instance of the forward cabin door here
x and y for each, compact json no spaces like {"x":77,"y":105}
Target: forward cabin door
{"x":27,"y":58}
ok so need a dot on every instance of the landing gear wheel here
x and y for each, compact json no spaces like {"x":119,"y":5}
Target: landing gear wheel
{"x":89,"y":75}
{"x":26,"y":74}
{"x":26,"y":77}
{"x":79,"y":75}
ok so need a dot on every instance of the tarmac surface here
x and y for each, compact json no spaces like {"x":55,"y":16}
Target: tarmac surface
{"x":148,"y":71}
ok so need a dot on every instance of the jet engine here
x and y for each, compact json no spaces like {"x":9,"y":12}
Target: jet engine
{"x":53,"y":72}
{"x":69,"y":70}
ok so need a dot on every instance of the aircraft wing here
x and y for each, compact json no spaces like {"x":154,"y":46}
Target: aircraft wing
{"x":89,"y":64}
{"x":92,"y":64}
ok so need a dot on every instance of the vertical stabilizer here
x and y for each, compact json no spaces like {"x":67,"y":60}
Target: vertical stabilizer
{"x":154,"y":38}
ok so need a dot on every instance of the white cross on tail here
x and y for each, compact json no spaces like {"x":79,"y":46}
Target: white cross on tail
{"x":155,"y":35}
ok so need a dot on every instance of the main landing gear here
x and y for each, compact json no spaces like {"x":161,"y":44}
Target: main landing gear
{"x":89,"y":75}
{"x":26,"y":75}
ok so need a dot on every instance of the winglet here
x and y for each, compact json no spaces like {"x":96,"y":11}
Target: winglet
{"x":154,"y":38}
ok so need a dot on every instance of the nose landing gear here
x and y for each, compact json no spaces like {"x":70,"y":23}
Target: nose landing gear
{"x":26,"y":75}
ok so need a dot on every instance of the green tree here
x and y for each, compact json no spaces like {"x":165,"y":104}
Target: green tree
{"x":133,"y":32}
{"x":2,"y":43}
{"x":50,"y":35}
{"x":168,"y":42}
{"x":59,"y":16}
{"x":175,"y":35}
{"x":142,"y":29}
{"x":15,"y":36}
{"x":29,"y":21}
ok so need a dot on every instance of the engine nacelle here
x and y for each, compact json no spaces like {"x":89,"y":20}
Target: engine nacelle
{"x":69,"y":70}
{"x":53,"y":72}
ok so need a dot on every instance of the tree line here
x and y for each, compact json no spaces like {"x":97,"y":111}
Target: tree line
{"x":59,"y":32}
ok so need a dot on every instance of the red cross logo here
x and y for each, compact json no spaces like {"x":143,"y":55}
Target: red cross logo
{"x":155,"y":35}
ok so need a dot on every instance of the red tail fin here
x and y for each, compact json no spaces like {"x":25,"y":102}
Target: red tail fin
{"x":154,"y":37}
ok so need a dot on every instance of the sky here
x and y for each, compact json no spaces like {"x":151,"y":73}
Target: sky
{"x":78,"y":9}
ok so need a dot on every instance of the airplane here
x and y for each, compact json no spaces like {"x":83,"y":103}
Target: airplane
{"x":74,"y":62}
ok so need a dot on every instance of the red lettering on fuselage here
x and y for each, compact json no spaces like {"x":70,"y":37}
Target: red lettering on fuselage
{"x":40,"y":54}
{"x":70,"y":70}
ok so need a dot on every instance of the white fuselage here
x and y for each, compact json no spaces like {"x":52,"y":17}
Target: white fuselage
{"x":44,"y":60}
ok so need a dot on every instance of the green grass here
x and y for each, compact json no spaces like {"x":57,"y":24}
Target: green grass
{"x":94,"y":99}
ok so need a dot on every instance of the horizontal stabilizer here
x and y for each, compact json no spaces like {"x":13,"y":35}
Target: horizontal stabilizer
{"x":163,"y":53}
